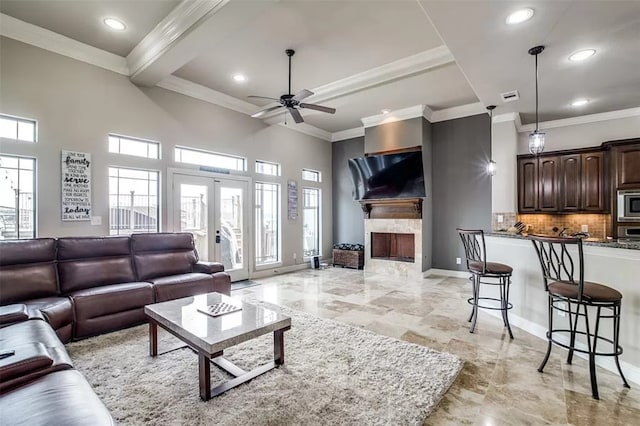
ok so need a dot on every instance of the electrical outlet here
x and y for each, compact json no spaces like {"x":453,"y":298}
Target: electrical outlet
{"x":562,"y":305}
{"x":458,"y":261}
{"x":500,"y":218}
{"x":584,"y":228}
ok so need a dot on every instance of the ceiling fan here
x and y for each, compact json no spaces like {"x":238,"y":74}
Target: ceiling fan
{"x":292,"y":102}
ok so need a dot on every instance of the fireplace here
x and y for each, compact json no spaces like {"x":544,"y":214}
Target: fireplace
{"x":392,"y":246}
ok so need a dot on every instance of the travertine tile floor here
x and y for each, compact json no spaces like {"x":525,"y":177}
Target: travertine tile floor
{"x":499,"y":384}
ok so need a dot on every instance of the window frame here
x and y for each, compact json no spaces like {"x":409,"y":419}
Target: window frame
{"x":278,"y":261}
{"x":34,"y":196}
{"x":18,"y":119}
{"x":203,"y":151}
{"x":148,"y":142}
{"x":317,"y":172}
{"x":319,"y":222}
{"x":272,"y":163}
{"x":158,"y":196}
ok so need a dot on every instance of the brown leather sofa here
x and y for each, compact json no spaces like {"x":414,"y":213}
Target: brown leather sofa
{"x":85,"y":286}
{"x":53,"y":291}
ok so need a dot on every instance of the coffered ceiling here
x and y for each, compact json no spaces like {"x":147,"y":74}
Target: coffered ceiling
{"x":358,"y":56}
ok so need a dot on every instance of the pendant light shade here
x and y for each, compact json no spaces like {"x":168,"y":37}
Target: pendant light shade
{"x":491,"y":166}
{"x":536,"y":138}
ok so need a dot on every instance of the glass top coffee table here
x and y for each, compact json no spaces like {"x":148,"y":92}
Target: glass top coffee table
{"x":209,"y":336}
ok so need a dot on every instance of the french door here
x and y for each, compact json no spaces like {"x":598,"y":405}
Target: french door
{"x":214,"y":210}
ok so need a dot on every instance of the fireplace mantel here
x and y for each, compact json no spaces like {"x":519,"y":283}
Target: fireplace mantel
{"x":392,"y":208}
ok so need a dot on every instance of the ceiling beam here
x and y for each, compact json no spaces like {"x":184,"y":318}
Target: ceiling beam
{"x":187,"y":31}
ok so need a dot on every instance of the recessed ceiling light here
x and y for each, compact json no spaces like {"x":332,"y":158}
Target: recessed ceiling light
{"x":386,"y":111}
{"x":581,"y":55}
{"x":115,"y":24}
{"x":579,"y":102}
{"x":519,"y":16}
{"x":239,"y":78}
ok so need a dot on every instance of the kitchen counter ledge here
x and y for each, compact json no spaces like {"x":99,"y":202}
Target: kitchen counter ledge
{"x":635,"y":245}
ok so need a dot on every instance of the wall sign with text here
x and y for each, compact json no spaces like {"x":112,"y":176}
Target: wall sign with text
{"x":76,"y":185}
{"x":292,"y":199}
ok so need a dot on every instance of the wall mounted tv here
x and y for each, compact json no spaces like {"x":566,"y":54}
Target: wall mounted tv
{"x":388,"y":176}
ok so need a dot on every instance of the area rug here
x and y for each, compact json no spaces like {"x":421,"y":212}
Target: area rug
{"x":333,"y":374}
{"x":243,"y":284}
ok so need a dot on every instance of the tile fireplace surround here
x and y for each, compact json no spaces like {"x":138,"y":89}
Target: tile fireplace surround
{"x":396,"y":268}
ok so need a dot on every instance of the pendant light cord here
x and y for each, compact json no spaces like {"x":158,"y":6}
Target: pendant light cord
{"x":536,"y":93}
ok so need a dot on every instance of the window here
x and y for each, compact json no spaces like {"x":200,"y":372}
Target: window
{"x":311,"y":175}
{"x":21,"y":129}
{"x":267,"y":223}
{"x":134,"y":146}
{"x":133,"y":201}
{"x":211,"y":159}
{"x":311,"y":221}
{"x":17,"y":197}
{"x":267,"y":168}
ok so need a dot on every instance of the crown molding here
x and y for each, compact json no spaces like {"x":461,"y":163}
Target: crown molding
{"x":509,"y":116}
{"x":582,"y":119}
{"x":307,"y":129}
{"x":393,"y":116}
{"x":356,"y":132}
{"x":24,"y":32}
{"x":414,"y":64}
{"x":428,"y":113}
{"x":458,"y":112}
{"x":194,"y":90}
{"x":177,"y":23}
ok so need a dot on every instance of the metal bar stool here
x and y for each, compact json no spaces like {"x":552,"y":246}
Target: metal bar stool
{"x":477,"y":265}
{"x":558,"y":269}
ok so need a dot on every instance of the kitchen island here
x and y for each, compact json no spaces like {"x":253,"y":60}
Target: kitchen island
{"x":616,"y":264}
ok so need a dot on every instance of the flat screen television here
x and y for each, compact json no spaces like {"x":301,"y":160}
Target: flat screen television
{"x":388,"y":176}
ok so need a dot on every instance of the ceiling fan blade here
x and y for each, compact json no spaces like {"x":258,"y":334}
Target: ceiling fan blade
{"x":262,"y":97}
{"x":304,"y":93}
{"x":264,"y":111}
{"x":318,"y":108}
{"x":295,"y":114}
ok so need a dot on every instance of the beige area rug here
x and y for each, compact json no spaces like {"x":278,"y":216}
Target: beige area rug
{"x":333,"y":374}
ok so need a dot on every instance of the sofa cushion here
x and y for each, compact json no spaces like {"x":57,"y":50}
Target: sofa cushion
{"x":92,"y":262}
{"x":58,"y":311}
{"x":61,"y":398}
{"x":27,"y":270}
{"x":182,"y":285}
{"x":208,"y":267}
{"x":99,"y":301}
{"x":163,"y":254}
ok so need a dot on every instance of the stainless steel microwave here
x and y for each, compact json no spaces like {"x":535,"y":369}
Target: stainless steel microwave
{"x":629,"y":206}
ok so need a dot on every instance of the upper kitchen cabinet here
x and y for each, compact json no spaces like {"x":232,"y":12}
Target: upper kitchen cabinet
{"x":567,"y":181}
{"x":627,"y":161}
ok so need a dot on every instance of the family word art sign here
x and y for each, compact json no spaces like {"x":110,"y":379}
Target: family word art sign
{"x":76,"y":185}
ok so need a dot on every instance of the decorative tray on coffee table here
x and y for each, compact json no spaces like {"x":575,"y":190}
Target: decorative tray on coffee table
{"x":221,"y":308}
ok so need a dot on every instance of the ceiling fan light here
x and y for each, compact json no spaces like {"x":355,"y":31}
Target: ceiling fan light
{"x":536,"y":142}
{"x":520,"y":16}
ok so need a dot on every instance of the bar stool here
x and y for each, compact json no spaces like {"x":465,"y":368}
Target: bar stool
{"x":558,"y":268}
{"x":479,"y":268}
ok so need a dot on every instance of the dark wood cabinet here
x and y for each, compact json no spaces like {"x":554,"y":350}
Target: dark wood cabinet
{"x":562,"y":182}
{"x":628,"y":166}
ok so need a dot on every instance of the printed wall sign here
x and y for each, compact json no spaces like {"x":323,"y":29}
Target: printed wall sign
{"x":292,"y":199}
{"x":76,"y":185}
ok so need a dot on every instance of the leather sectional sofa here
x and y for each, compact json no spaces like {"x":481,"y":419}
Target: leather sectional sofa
{"x":53,"y":291}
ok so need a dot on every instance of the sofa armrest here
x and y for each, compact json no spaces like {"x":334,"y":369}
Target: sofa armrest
{"x":208,"y":267}
{"x":23,"y":360}
{"x":13,"y":313}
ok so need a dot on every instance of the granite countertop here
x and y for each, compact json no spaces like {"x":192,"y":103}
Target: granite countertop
{"x":630,"y":245}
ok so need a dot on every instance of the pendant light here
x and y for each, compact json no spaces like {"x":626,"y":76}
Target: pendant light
{"x":536,"y":138}
{"x":491,"y":167}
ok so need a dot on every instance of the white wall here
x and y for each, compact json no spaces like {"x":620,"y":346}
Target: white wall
{"x":77,"y":105}
{"x":504,"y":142}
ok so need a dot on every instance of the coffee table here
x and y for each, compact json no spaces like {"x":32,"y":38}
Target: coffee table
{"x":210,"y":336}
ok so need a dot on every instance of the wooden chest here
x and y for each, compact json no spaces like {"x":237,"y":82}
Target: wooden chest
{"x":348,"y":258}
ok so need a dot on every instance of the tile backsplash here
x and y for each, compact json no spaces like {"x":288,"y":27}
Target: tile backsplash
{"x":508,"y":220}
{"x":544,"y":223}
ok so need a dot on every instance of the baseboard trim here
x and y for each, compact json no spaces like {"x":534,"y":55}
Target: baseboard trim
{"x":631,"y":372}
{"x":279,"y":270}
{"x":446,"y":273}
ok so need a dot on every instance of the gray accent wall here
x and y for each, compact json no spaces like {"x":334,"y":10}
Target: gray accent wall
{"x":396,"y":135}
{"x":427,"y":204}
{"x":461,"y":186}
{"x":348,"y":218}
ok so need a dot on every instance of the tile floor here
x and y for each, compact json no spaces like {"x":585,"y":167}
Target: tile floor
{"x":499,"y":384}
